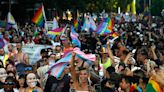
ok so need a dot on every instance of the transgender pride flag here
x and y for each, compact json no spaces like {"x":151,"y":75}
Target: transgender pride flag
{"x":57,"y":69}
{"x":74,"y":36}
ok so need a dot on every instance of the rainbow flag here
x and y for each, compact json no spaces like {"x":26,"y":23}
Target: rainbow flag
{"x":153,"y":86}
{"x":106,"y":27}
{"x":134,"y":87}
{"x":39,"y":17}
{"x":77,"y":24}
{"x":114,"y":35}
{"x":55,"y":32}
{"x":74,"y":37}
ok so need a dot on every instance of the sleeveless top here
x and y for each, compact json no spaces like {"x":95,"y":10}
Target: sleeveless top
{"x":106,"y":64}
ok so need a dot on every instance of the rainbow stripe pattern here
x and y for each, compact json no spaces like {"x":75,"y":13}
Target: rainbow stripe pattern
{"x":135,"y":87}
{"x":106,"y":27}
{"x":38,"y":18}
{"x":114,"y":35}
{"x":55,"y":32}
{"x":77,"y":24}
{"x":153,"y":86}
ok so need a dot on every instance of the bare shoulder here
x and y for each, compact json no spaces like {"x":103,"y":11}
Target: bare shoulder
{"x":39,"y":89}
{"x":22,"y":90}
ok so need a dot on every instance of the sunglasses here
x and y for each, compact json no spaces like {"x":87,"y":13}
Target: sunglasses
{"x":28,"y":69}
{"x":9,"y":83}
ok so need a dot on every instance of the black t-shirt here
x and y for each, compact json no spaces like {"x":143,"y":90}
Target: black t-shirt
{"x":55,"y":85}
{"x":1,"y":85}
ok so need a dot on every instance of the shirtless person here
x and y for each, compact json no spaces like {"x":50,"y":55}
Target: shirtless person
{"x":20,"y":56}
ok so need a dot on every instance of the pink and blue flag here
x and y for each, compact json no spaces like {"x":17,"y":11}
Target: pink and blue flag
{"x":93,"y":26}
{"x":74,"y":36}
{"x":57,"y":69}
{"x":89,"y":24}
{"x":77,"y":23}
{"x":86,"y":25}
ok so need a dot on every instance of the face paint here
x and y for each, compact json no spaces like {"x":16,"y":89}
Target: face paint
{"x":3,"y":74}
{"x":31,"y":80}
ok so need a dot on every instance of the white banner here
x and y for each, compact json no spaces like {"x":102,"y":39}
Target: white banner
{"x":34,"y":52}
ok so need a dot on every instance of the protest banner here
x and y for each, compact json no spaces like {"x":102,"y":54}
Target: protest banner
{"x":34,"y":52}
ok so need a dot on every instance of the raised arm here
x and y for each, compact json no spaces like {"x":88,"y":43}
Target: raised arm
{"x":73,"y":72}
{"x":109,"y":51}
{"x":153,"y":51}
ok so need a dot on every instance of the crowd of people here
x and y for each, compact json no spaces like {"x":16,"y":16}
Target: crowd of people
{"x":132,"y":62}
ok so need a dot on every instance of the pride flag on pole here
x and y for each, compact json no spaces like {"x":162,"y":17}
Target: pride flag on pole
{"x":11,"y":21}
{"x":39,"y":17}
{"x":77,"y":23}
{"x":55,"y":32}
{"x":106,"y":27}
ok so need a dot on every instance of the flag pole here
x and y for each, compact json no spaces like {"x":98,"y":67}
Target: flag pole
{"x":9,"y":5}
